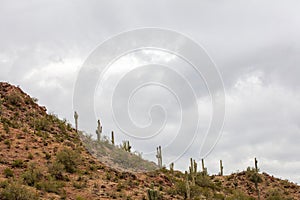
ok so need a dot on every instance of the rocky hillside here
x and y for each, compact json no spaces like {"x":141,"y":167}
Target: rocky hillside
{"x":43,"y":157}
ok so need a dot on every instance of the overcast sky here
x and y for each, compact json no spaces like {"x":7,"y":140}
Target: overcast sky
{"x":254,"y":44}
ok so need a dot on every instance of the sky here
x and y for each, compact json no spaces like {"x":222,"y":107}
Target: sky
{"x":255,"y":45}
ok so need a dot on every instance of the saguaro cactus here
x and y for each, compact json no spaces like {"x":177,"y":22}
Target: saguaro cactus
{"x":76,"y":120}
{"x":187,"y":186}
{"x":204,"y":169}
{"x":256,"y":162}
{"x":221,"y":168}
{"x":159,"y":156}
{"x":99,"y":130}
{"x":256,"y":178}
{"x":112,"y":138}
{"x":152,"y":194}
{"x":172,"y":167}
{"x":126,"y":146}
{"x":193,"y":171}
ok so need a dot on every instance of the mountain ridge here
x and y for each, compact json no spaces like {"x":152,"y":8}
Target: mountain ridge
{"x":44,"y":155}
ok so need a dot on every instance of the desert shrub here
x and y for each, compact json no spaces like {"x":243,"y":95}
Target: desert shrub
{"x":203,"y":180}
{"x":28,"y":101}
{"x":276,"y":195}
{"x":219,"y":196}
{"x":14,"y":191}
{"x":180,"y":187}
{"x":4,"y":184}
{"x":7,"y":143}
{"x":69,"y":127}
{"x":69,"y":159}
{"x":56,"y":170}
{"x":196,"y":191}
{"x":253,"y":176}
{"x":79,"y":185}
{"x":108,"y":176}
{"x":47,"y":156}
{"x":35,"y":100}
{"x":8,"y":172}
{"x":6,"y":127}
{"x":238,"y":195}
{"x":62,"y":126}
{"x":13,"y":99}
{"x":50,"y":185}
{"x":32,"y":176}
{"x":80,"y":198}
{"x":120,"y":187}
{"x":30,"y":156}
{"x":18,"y":163}
{"x":250,"y":170}
{"x":42,"y":124}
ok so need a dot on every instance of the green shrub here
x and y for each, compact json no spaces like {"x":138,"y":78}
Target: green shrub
{"x":277,"y":195}
{"x":42,"y":124}
{"x":30,"y":156}
{"x":14,"y":191}
{"x":219,"y":196}
{"x":238,"y":195}
{"x":32,"y":176}
{"x":18,"y":163}
{"x":69,"y":159}
{"x":47,"y":156}
{"x":80,"y":198}
{"x":79,"y":185}
{"x":13,"y":99}
{"x":8,"y":172}
{"x":253,"y":176}
{"x":35,"y":100}
{"x":56,"y":170}
{"x":62,"y":127}
{"x":197,"y":191}
{"x":4,"y":184}
{"x":180,"y":188}
{"x":203,"y":180}
{"x":6,"y":127}
{"x":7,"y":143}
{"x":50,"y":185}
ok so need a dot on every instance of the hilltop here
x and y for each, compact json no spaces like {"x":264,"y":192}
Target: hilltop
{"x":43,"y":157}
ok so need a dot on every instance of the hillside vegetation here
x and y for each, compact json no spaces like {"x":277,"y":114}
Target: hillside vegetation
{"x":43,"y":157}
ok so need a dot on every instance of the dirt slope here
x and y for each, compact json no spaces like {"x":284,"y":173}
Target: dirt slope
{"x":42,"y":157}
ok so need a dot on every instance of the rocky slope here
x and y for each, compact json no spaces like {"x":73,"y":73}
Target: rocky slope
{"x":42,"y":157}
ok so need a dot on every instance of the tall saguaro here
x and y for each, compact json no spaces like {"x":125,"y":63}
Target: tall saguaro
{"x":112,"y":138}
{"x":159,"y":156}
{"x":221,"y":168}
{"x":193,"y":170}
{"x":76,"y":120}
{"x":99,"y":130}
{"x":204,"y":169}
{"x":256,"y":178}
{"x":256,"y":168}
